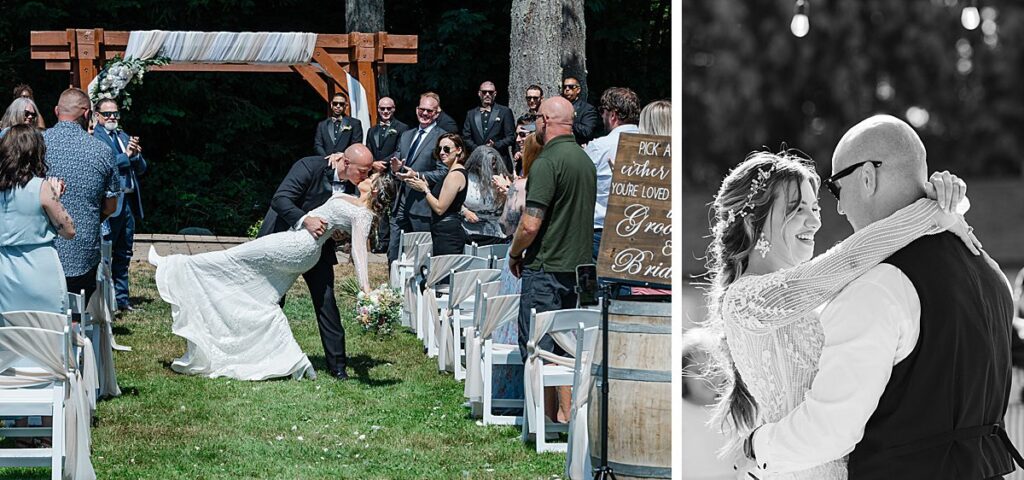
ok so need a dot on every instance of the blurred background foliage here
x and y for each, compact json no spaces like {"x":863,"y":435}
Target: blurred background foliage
{"x":218,"y":144}
{"x":749,"y":83}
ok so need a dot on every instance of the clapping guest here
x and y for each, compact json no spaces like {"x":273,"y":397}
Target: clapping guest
{"x":446,"y":198}
{"x":335,"y":133}
{"x":382,"y":140}
{"x":484,"y":200}
{"x":87,"y":167}
{"x":31,"y":216}
{"x":620,"y":109}
{"x":130,"y":166}
{"x":21,"y":111}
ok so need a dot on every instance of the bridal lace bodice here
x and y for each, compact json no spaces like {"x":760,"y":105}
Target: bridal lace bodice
{"x":771,"y":322}
{"x":340,"y":214}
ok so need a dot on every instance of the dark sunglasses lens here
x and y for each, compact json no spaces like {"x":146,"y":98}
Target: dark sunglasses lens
{"x":386,"y":109}
{"x":832,"y":188}
{"x":532,"y":98}
{"x":446,"y":149}
{"x":30,"y":114}
{"x":338,"y":104}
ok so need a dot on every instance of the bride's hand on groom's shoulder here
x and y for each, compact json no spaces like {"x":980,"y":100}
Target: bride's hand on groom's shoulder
{"x":947,"y":189}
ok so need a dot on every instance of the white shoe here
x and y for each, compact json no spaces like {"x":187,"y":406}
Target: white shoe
{"x":153,"y":257}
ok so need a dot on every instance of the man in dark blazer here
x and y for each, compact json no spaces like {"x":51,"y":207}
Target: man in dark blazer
{"x":338,"y":131}
{"x":587,"y":123}
{"x":382,"y":140}
{"x":491,"y":124}
{"x":447,"y":123}
{"x":308,"y":185}
{"x":130,"y":165}
{"x":415,"y":158}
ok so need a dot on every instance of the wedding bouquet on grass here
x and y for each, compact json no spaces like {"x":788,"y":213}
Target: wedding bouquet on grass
{"x":379,"y":310}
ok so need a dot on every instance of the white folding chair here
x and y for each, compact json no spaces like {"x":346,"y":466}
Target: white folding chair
{"x":495,"y":312}
{"x":82,"y":359}
{"x":402,"y":267}
{"x":561,"y":325}
{"x":499,"y":262}
{"x":105,"y":288}
{"x":413,"y":293}
{"x":38,"y":381}
{"x":497,"y":250}
{"x":470,"y":249}
{"x":577,"y":458}
{"x":434,"y":313}
{"x":461,"y":304}
{"x":473,"y":390}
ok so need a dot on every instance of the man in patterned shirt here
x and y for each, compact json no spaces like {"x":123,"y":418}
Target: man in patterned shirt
{"x":88,"y":170}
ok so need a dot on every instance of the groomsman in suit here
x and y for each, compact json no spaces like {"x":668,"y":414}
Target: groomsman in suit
{"x":586,"y":123}
{"x":415,"y":158}
{"x":491,"y":124}
{"x":308,"y":185}
{"x":383,"y":142}
{"x":338,"y":131}
{"x":130,"y":165}
{"x":534,"y":95}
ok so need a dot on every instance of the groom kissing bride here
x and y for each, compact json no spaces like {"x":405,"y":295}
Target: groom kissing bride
{"x":887,"y":357}
{"x":225,"y":303}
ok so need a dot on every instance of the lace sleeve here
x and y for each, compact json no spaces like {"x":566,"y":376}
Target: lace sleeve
{"x":766,"y":302}
{"x":360,"y":234}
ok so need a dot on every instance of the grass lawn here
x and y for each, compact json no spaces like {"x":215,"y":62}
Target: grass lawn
{"x":396,"y":418}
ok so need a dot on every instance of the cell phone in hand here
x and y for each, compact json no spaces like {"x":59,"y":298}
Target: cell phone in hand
{"x":586,"y":285}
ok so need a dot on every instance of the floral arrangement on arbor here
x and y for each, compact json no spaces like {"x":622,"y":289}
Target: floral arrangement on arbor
{"x":117,"y":75}
{"x":379,"y":310}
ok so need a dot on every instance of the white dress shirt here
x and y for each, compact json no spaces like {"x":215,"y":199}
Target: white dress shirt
{"x":872,"y":325}
{"x":600,"y":150}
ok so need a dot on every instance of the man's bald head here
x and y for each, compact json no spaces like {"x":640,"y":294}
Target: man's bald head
{"x":72,"y":105}
{"x":356,"y":162}
{"x":556,"y":115}
{"x":875,"y":193}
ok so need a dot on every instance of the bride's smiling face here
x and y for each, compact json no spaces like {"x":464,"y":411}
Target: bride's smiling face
{"x":793,"y":221}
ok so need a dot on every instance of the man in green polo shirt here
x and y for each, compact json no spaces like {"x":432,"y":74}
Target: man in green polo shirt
{"x":556,"y":231}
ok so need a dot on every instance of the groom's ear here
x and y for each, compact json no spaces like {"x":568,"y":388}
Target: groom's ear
{"x":869,"y":179}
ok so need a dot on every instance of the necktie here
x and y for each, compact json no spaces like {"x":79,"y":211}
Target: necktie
{"x":415,"y":143}
{"x":337,"y":129}
{"x":117,"y":144}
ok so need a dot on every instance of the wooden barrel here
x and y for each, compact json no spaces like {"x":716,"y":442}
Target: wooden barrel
{"x":640,"y":391}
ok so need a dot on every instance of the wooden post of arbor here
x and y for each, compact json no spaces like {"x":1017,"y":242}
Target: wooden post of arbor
{"x":83,"y":52}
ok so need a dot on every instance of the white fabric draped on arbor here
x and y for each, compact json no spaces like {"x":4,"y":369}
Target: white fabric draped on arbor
{"x":222,"y":47}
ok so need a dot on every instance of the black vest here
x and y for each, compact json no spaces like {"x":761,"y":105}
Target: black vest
{"x":943,"y":407}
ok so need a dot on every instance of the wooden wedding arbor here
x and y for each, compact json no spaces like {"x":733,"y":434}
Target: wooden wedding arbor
{"x":83,"y":52}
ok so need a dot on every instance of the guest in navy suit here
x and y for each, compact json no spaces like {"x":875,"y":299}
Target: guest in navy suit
{"x":337,"y":132}
{"x":130,"y":166}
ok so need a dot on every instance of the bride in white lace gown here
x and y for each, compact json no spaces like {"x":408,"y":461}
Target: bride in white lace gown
{"x":224,"y":304}
{"x":765,"y":289}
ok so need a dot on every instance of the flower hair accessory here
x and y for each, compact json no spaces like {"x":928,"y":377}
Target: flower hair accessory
{"x":758,"y":185}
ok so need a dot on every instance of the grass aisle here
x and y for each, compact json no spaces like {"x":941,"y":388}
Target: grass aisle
{"x":396,"y":418}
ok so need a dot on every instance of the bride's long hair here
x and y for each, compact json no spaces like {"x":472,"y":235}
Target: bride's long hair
{"x":741,"y":210}
{"x":382,"y":193}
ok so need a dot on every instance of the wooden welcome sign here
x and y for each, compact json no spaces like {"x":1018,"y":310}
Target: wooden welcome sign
{"x":636,"y":246}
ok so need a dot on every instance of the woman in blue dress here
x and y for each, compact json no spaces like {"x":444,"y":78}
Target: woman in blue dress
{"x":31,"y":216}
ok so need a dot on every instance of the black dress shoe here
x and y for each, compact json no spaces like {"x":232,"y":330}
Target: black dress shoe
{"x":340,"y":374}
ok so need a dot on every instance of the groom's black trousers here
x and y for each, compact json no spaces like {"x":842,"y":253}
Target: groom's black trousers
{"x":320,"y":280}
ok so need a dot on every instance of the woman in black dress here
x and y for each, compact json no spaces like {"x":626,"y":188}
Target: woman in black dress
{"x":446,"y":198}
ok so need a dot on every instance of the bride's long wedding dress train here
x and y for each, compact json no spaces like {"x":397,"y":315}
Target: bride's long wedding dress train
{"x":224,"y":304}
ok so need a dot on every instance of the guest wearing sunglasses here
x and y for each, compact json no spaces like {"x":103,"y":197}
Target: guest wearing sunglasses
{"x":490,"y":124}
{"x":21,"y":111}
{"x":534,"y":95}
{"x":130,"y":166}
{"x":446,"y":198}
{"x":586,"y":122}
{"x":382,"y":141}
{"x":338,"y":131}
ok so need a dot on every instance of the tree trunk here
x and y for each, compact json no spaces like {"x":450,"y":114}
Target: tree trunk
{"x":574,"y":43}
{"x":367,"y":16}
{"x":548,"y":39}
{"x":364,"y":16}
